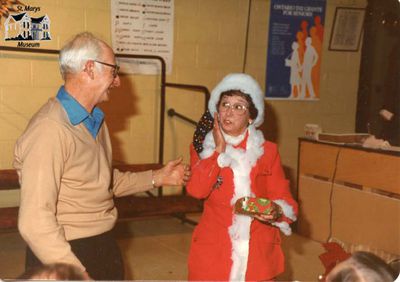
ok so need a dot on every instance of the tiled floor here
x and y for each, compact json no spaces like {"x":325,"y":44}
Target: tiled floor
{"x":157,"y":248}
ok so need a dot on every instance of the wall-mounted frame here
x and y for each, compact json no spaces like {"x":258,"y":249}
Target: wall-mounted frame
{"x":347,"y":29}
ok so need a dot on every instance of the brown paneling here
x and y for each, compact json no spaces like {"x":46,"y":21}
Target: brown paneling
{"x":129,"y":208}
{"x":8,"y":179}
{"x":369,"y":169}
{"x":314,"y":208}
{"x":360,"y":217}
{"x":317,"y":159}
{"x":133,"y":207}
{"x":8,"y":218}
{"x":367,"y":219}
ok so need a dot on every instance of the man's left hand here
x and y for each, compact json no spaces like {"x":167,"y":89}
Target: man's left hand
{"x":174,"y":173}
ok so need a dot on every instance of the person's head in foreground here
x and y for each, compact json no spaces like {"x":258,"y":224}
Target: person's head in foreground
{"x":55,"y":271}
{"x":362,"y":267}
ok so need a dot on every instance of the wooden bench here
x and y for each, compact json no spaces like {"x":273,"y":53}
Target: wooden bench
{"x":129,"y":207}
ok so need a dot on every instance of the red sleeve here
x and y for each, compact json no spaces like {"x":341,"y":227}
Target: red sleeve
{"x":204,"y":174}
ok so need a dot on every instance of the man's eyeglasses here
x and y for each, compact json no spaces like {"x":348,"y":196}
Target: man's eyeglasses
{"x":115,"y":67}
{"x":239,"y":109}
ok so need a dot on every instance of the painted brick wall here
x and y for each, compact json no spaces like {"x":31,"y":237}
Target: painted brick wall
{"x":209,"y":42}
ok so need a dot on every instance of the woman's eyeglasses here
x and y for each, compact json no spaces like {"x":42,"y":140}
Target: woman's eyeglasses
{"x":239,"y":109}
{"x":115,"y":67}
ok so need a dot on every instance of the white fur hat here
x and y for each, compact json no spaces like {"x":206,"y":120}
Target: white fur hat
{"x":244,"y":83}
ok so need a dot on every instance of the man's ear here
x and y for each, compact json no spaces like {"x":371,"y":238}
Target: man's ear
{"x":89,"y":68}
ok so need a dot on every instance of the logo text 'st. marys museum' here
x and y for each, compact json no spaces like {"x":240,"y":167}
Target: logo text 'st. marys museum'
{"x":28,"y":9}
{"x":23,"y":27}
{"x":28,"y":44}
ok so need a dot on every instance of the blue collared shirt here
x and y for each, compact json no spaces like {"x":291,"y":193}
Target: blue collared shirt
{"x":77,"y":113}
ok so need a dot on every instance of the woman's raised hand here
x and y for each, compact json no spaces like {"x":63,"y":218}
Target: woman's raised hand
{"x":218,"y":137}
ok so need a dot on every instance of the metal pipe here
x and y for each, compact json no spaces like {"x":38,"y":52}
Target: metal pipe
{"x":172,"y":112}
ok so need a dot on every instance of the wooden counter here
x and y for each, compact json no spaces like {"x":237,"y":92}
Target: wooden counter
{"x":349,"y":193}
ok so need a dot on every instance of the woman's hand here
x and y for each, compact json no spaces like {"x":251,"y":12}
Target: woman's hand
{"x":265,"y":218}
{"x":272,"y":217}
{"x":219,"y":139}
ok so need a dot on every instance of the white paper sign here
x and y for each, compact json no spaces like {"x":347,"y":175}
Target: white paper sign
{"x":143,"y":27}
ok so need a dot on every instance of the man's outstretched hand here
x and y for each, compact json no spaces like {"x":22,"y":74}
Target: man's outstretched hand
{"x":174,"y":173}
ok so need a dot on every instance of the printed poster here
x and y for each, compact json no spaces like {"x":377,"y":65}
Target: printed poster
{"x":296,"y":33}
{"x":143,"y":27}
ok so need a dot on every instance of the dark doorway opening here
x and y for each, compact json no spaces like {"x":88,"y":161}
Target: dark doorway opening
{"x":378,"y":102}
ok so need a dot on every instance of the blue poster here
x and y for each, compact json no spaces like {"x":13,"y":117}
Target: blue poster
{"x":296,"y":32}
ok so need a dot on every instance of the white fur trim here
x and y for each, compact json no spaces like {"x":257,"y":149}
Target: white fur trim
{"x":239,"y":232}
{"x":284,"y":227}
{"x":241,"y":165}
{"x":287,"y":209}
{"x":246,"y":84}
{"x":234,"y":140}
{"x":224,"y":160}
{"x":289,"y":213}
{"x":208,"y":146}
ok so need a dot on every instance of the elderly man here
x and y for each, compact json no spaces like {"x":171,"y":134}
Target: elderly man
{"x":64,"y":163}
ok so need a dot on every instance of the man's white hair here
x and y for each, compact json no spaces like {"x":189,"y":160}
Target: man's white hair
{"x":75,"y":53}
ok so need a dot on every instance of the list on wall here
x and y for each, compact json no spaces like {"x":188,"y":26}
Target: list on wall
{"x":296,"y":32}
{"x":143,"y":27}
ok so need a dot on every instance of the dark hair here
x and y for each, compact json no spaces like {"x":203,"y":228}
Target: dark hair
{"x":55,"y":271}
{"x":252,"y":108}
{"x":363,"y":266}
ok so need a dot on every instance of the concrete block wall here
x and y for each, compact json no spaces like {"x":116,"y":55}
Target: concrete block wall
{"x":209,"y":42}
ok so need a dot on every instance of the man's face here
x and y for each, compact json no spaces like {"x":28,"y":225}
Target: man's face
{"x":107,"y":75}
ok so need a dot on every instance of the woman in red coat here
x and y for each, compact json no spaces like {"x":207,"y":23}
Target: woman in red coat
{"x":233,"y":161}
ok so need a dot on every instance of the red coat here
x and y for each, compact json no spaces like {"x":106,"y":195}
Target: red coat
{"x":211,"y":247}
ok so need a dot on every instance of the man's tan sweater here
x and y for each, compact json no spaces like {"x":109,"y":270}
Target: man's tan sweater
{"x":67,"y":184}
